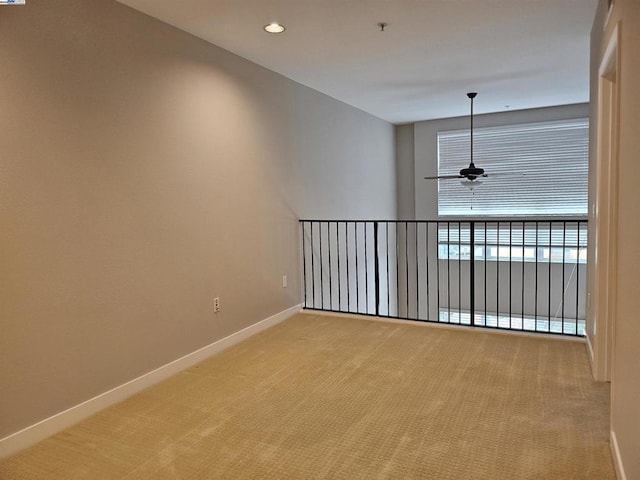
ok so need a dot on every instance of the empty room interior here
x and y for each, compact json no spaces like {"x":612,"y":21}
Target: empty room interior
{"x":328,"y":239}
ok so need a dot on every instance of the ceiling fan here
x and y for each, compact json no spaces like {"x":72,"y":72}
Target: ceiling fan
{"x":471,"y":173}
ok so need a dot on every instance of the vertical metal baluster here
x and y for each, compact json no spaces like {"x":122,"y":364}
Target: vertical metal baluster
{"x":472,"y":274}
{"x":304,"y":264}
{"x":376,"y":267}
{"x":330,"y":269}
{"x":486,"y":254}
{"x":448,"y":272}
{"x":366,"y":270}
{"x":357,"y":269}
{"x":535,"y":309}
{"x":321,"y":268}
{"x":564,"y":288}
{"x":406,"y":264}
{"x":346,"y":240}
{"x":438,"y":267}
{"x":426,"y":249}
{"x":339,"y":271}
{"x":313,"y":268}
{"x":397,"y":273}
{"x":522,"y":293}
{"x":498,"y":274}
{"x":459,"y":273}
{"x":549,"y":279}
{"x":510,"y":273}
{"x":388,"y":272}
{"x":417,"y":274}
{"x":577,"y":274}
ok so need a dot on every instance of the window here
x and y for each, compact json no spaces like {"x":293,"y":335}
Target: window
{"x":539,"y":168}
{"x":538,"y":241}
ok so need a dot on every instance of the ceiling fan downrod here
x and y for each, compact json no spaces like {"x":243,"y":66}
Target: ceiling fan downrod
{"x":471,"y":96}
{"x":471,"y":172}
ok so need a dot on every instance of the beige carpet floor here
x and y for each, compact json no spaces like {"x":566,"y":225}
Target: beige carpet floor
{"x":320,"y":397}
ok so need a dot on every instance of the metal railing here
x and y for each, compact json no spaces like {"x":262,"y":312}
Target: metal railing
{"x":515,"y":274}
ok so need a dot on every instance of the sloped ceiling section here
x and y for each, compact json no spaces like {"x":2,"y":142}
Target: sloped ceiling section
{"x":517,"y":53}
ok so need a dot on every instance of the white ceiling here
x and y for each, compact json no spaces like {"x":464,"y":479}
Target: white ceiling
{"x":520,"y":53}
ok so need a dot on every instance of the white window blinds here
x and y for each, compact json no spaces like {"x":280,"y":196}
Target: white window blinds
{"x":553,"y":156}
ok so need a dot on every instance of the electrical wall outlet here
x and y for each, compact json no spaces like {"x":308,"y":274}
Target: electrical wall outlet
{"x":284,"y":281}
{"x":216,"y":305}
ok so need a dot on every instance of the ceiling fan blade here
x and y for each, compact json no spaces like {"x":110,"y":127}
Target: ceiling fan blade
{"x":507,"y":174}
{"x":444,"y":177}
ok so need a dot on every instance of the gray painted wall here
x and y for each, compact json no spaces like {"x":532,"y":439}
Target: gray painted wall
{"x":144,"y":172}
{"x":405,"y":168}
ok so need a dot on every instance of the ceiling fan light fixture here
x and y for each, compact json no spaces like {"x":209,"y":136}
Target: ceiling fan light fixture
{"x":274,"y":27}
{"x":470,"y":184}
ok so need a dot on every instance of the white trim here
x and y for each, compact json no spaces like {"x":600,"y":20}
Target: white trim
{"x":609,"y":59}
{"x":58,"y":422}
{"x":617,"y":459}
{"x":605,"y":221}
{"x":450,"y":326}
{"x":592,"y":357}
{"x":606,"y":20}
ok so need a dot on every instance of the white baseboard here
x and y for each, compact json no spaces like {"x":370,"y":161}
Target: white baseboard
{"x":617,"y":459}
{"x":592,"y":357}
{"x":58,"y":422}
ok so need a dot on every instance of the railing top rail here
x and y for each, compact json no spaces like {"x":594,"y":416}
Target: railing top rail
{"x":558,"y":219}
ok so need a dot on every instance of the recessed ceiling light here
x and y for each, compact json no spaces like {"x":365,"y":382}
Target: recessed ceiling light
{"x":274,"y":27}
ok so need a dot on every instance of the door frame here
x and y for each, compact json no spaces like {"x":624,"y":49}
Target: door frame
{"x":601,"y":337}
